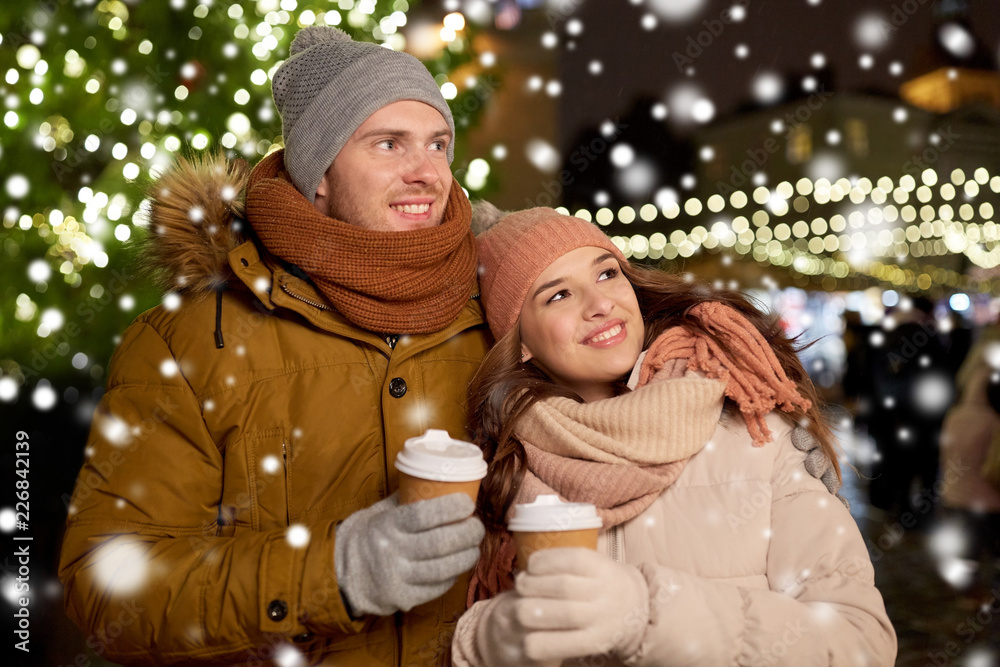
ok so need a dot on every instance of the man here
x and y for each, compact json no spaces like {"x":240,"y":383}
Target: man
{"x":236,"y":504}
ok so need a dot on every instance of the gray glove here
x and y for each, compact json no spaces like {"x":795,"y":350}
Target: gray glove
{"x":392,"y":557}
{"x":818,"y":464}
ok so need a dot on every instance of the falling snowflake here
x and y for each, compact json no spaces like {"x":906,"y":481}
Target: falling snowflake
{"x":542,"y":155}
{"x":675,"y":11}
{"x":622,"y":155}
{"x":44,"y":397}
{"x":17,"y":186}
{"x":933,"y":393}
{"x":270,"y":464}
{"x":39,"y":271}
{"x":168,"y":368}
{"x":288,"y":656}
{"x":8,"y":520}
{"x":638,"y":179}
{"x":957,"y":40}
{"x":8,"y":389}
{"x":11,"y":590}
{"x":171,"y":301}
{"x":297,"y":535}
{"x":121,"y":565}
{"x":957,"y":571}
{"x":113,"y":429}
{"x":870,"y":32}
{"x":767,"y":87}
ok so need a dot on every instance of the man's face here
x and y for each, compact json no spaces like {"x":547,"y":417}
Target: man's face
{"x":393,"y":173}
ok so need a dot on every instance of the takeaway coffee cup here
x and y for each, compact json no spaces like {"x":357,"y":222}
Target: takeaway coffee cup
{"x":549,"y":523}
{"x":435,"y":464}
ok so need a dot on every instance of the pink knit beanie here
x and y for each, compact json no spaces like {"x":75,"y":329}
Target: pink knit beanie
{"x":515,"y":250}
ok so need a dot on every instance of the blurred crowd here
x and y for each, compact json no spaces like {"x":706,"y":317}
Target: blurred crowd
{"x":925,"y":396}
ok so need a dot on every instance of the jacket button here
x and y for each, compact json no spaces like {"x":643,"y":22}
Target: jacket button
{"x":277,"y":610}
{"x":397,"y":387}
{"x":304,"y":637}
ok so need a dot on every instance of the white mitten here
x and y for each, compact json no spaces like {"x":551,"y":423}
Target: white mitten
{"x":500,"y":638}
{"x":578,"y":602}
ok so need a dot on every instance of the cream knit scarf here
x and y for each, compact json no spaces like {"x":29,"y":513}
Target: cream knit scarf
{"x":618,"y":454}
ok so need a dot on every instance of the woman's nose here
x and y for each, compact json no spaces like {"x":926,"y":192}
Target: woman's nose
{"x":597,"y":303}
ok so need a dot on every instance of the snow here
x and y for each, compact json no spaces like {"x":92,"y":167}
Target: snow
{"x":297,"y":536}
{"x":675,"y":11}
{"x":121,"y":565}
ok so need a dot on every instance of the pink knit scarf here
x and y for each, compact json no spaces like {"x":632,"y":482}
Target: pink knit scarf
{"x":753,"y":375}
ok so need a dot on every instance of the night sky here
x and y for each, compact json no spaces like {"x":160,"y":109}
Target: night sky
{"x":781,"y":37}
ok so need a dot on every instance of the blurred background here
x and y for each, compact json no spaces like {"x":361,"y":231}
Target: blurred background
{"x":839,"y":160}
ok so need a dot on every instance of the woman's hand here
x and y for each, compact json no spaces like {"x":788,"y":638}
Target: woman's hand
{"x":577,"y":602}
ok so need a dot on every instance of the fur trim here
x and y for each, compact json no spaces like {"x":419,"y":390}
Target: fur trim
{"x":484,"y":216}
{"x":193,"y":207}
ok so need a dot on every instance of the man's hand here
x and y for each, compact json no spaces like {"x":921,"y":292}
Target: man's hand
{"x":818,"y":464}
{"x":392,"y":557}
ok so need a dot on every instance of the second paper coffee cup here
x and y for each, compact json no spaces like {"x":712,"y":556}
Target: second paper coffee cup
{"x":549,"y":523}
{"x":435,"y":464}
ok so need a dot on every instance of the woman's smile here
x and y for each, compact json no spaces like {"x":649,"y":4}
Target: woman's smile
{"x":607,"y":335}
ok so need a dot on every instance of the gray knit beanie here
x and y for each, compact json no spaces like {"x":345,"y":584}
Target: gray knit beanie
{"x":330,"y":85}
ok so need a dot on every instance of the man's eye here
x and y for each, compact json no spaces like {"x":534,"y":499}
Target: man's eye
{"x":388,"y":144}
{"x":439,"y":146}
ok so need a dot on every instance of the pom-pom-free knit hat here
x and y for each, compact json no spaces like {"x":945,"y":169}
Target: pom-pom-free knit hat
{"x":515,"y":250}
{"x":329,"y":86}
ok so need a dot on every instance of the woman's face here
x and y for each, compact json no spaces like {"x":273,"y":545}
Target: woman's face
{"x":581,"y":324}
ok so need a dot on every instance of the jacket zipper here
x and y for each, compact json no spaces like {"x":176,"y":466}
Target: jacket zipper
{"x":390,"y":339}
{"x":284,"y":465}
{"x":314,"y":304}
{"x":614,"y":543}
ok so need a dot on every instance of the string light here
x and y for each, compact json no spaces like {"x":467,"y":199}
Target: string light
{"x":824,"y":247}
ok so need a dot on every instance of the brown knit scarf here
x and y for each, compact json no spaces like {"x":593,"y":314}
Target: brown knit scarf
{"x":410,"y":282}
{"x":621,"y":453}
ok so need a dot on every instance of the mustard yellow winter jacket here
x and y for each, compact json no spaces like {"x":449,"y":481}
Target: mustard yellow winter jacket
{"x":215,"y":476}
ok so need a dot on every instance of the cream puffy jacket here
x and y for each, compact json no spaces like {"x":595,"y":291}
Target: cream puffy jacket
{"x":749,"y":561}
{"x":969,"y":430}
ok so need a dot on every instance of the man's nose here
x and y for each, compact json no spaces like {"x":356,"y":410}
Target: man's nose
{"x":420,"y":169}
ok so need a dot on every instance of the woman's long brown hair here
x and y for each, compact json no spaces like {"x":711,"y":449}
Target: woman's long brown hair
{"x":504,"y":388}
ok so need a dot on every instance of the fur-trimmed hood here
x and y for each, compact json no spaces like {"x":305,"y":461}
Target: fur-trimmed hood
{"x":195,"y":212}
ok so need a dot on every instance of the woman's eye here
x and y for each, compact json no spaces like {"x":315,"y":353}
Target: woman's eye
{"x":558,"y":296}
{"x":608,"y":274}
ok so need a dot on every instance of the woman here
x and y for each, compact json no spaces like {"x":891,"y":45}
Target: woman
{"x":970,"y":471}
{"x":718,"y":547}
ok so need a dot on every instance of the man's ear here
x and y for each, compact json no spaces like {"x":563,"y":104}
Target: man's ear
{"x":321,"y":189}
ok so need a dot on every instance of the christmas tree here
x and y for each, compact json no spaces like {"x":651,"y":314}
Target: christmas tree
{"x":99,"y":100}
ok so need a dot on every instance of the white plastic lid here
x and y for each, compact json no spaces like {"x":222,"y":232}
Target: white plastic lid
{"x":437,"y":456}
{"x":549,"y":514}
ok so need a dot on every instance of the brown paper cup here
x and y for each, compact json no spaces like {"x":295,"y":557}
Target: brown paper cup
{"x":529,"y":543}
{"x":413,"y":489}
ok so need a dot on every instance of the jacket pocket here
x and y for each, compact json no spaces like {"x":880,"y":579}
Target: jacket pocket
{"x":267,"y":467}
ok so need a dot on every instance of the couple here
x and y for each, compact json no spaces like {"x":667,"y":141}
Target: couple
{"x":238,"y":486}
